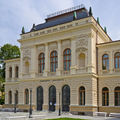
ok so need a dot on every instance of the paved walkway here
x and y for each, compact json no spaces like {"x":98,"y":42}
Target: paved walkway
{"x":46,"y":115}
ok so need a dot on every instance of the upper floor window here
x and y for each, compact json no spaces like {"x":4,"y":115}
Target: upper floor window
{"x":67,"y":59}
{"x":117,"y":60}
{"x":41,"y":62}
{"x":10,"y":72}
{"x":105,"y":96}
{"x":105,"y":62}
{"x":117,"y":96}
{"x":16,"y":71}
{"x":53,"y":61}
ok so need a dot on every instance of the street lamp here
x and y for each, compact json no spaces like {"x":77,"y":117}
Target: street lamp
{"x":30,"y":110}
{"x":59,"y":105}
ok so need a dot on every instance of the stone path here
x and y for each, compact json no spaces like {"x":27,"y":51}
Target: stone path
{"x":46,"y":115}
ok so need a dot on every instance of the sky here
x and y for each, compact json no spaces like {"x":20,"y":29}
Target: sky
{"x":14,"y":14}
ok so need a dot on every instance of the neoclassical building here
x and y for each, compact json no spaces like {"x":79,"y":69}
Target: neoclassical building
{"x":69,"y":59}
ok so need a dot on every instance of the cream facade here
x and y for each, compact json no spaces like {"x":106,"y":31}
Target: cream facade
{"x":83,"y":81}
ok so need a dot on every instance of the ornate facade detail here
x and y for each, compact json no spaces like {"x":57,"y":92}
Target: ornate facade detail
{"x":82,"y":42}
{"x":26,"y":53}
{"x":53,"y":46}
{"x":41,"y":48}
{"x":66,"y":44}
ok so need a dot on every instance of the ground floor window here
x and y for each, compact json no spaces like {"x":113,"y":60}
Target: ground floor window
{"x":117,"y":96}
{"x":65,"y":98}
{"x":82,"y":95}
{"x":105,"y":96}
{"x":26,"y":96}
{"x":10,"y":97}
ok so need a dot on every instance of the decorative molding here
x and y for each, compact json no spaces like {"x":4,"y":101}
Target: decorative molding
{"x":41,"y":48}
{"x":66,"y":44}
{"x":52,"y":46}
{"x":26,"y":53}
{"x":81,"y":43}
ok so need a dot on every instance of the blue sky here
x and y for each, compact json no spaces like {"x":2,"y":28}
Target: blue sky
{"x":17,"y":13}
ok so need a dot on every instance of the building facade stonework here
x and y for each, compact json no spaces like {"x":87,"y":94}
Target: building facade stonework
{"x":75,"y":61}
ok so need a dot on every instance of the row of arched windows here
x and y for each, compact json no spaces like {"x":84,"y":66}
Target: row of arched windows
{"x":105,"y":61}
{"x":54,"y":60}
{"x":105,"y":96}
{"x":16,"y":72}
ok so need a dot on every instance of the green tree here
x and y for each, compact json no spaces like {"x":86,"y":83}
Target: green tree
{"x":7,"y":52}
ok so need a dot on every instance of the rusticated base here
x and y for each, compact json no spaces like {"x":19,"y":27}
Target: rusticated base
{"x":83,"y":110}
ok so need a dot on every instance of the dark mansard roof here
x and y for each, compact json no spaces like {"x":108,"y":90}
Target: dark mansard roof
{"x":61,"y":19}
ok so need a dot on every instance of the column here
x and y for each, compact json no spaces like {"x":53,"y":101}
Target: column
{"x":46,"y":60}
{"x":60,"y":61}
{"x":73,"y":57}
{"x":33,"y":65}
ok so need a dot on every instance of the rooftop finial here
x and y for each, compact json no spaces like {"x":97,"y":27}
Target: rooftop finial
{"x":105,"y":29}
{"x":90,"y":11}
{"x":98,"y":20}
{"x":74,"y":15}
{"x":23,"y":30}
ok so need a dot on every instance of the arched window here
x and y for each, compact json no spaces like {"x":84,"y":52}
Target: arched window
{"x":82,"y":60}
{"x":82,"y":95}
{"x":39,"y":98}
{"x":52,"y":98}
{"x":117,"y":60}
{"x":41,"y":62}
{"x":105,"y":96}
{"x":26,"y":96}
{"x":65,"y":98}
{"x":16,"y":97}
{"x":105,"y":62}
{"x":117,"y":96}
{"x":16,"y":71}
{"x":67,"y":59}
{"x":26,"y":67}
{"x":53,"y":61}
{"x":10,"y":97}
{"x":10,"y":72}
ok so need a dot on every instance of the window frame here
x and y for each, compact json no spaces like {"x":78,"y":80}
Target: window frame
{"x":41,"y":62}
{"x":118,"y":60}
{"x":65,"y":60}
{"x":53,"y":61}
{"x":106,"y":59}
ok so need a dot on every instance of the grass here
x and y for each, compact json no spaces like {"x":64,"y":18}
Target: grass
{"x":66,"y":119}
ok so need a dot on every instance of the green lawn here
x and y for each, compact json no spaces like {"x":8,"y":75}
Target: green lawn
{"x":66,"y":119}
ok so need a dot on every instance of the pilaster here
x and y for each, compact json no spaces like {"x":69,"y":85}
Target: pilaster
{"x":46,"y":60}
{"x":73,"y":57}
{"x":60,"y":59}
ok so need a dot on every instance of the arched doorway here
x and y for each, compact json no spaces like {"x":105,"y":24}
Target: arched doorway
{"x":39,"y":98}
{"x":52,"y":98}
{"x":65,"y":98}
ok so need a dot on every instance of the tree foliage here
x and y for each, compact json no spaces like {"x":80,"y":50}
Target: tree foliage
{"x":7,"y":52}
